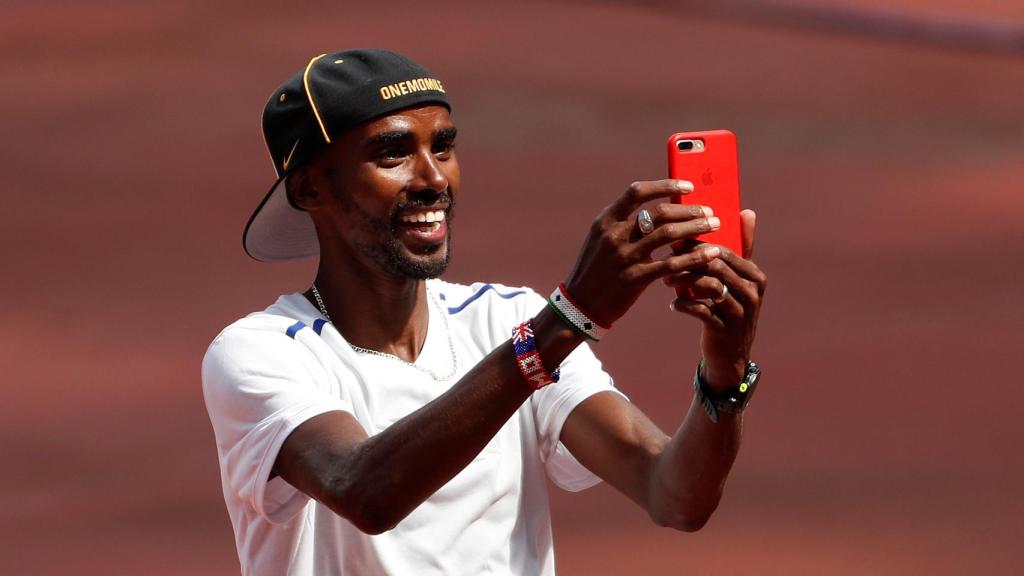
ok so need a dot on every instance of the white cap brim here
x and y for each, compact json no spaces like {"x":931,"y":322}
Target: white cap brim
{"x":278,"y":231}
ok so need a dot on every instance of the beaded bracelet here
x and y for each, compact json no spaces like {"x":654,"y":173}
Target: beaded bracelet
{"x":528,"y":359}
{"x":574,"y":316}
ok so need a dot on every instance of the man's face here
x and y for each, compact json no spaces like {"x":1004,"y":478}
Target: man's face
{"x":393,"y":182}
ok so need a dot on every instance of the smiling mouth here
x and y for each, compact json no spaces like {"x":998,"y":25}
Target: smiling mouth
{"x":423,"y":230}
{"x":428,"y":220}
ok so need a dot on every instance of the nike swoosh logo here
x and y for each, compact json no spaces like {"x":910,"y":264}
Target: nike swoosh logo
{"x":288,"y":160}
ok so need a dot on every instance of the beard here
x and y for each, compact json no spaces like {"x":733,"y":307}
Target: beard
{"x":382,"y":246}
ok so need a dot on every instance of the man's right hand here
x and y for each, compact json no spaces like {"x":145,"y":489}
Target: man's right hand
{"x":615,"y":265}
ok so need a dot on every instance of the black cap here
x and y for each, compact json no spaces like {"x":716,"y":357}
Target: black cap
{"x":333,"y":93}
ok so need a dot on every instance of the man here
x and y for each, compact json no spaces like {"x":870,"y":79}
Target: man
{"x":386,"y":422}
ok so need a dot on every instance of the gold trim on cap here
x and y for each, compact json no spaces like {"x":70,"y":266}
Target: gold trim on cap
{"x":309,"y":96}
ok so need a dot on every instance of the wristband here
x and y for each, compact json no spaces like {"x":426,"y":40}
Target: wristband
{"x":574,"y":316}
{"x":528,"y":359}
{"x":730,"y":402}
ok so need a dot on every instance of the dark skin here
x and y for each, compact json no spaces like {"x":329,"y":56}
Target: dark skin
{"x":377,"y":481}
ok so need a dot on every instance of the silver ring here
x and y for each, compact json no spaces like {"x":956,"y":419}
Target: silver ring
{"x":644,"y":221}
{"x":725,"y":294}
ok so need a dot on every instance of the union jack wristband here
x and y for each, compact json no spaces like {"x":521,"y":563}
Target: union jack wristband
{"x":528,"y":359}
{"x":568,"y":310}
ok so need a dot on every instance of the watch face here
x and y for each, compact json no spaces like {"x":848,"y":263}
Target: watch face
{"x":733,"y":401}
{"x":738,"y":399}
{"x":753,"y":373}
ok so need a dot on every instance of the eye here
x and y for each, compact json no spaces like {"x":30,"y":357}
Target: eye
{"x":444,"y":147}
{"x":391,"y":155}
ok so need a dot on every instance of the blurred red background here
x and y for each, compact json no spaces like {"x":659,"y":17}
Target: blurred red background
{"x":886,"y":174}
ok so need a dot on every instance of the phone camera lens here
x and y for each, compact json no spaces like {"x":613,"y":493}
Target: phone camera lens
{"x":685,"y":145}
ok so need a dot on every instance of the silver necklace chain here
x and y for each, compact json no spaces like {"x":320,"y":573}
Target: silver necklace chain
{"x":427,"y":371}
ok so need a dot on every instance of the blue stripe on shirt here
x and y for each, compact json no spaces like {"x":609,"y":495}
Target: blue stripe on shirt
{"x":479,"y":293}
{"x":294,"y":328}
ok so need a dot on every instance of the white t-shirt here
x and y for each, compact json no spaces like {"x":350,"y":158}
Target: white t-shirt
{"x":268,"y":373}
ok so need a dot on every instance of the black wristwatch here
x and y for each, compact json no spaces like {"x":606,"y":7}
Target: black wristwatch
{"x":731,"y":401}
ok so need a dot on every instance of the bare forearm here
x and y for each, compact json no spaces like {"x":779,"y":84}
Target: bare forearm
{"x":388,"y":475}
{"x":691,"y":471}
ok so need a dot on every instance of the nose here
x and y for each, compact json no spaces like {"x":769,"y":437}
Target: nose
{"x":430,"y":174}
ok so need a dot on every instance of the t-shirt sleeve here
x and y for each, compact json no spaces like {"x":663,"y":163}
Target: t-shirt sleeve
{"x":259,"y":386}
{"x":581,"y":377}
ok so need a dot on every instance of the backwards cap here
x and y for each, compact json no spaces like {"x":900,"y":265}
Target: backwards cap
{"x":333,"y":93}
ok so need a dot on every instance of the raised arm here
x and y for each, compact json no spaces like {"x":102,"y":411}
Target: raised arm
{"x":679,"y":479}
{"x":377,"y":481}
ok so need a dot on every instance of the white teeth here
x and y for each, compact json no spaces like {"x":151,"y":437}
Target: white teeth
{"x":434,"y":217}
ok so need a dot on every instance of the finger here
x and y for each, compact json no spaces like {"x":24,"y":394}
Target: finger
{"x":698,"y":310}
{"x":685,"y":245}
{"x":696,"y":286}
{"x":673,"y":232}
{"x":714,"y":294}
{"x":742,"y":293}
{"x":746,"y":269}
{"x":647,"y":272}
{"x":666,"y":213}
{"x":748,"y":220}
{"x":640,"y":192}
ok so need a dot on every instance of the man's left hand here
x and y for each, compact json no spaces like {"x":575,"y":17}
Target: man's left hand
{"x":730,"y":322}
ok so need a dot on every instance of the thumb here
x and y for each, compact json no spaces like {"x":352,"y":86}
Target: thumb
{"x":747,"y":221}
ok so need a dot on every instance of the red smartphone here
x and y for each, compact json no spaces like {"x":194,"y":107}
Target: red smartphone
{"x":709,"y":160}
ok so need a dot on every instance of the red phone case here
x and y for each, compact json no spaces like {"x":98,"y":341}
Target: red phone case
{"x":714,"y":172}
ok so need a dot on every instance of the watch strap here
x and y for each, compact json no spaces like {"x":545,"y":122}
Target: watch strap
{"x":732,"y":401}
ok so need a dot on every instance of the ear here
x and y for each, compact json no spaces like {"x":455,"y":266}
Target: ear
{"x":306,"y":187}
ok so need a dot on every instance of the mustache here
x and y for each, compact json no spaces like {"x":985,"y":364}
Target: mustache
{"x":426,"y":200}
{"x":422,"y":200}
